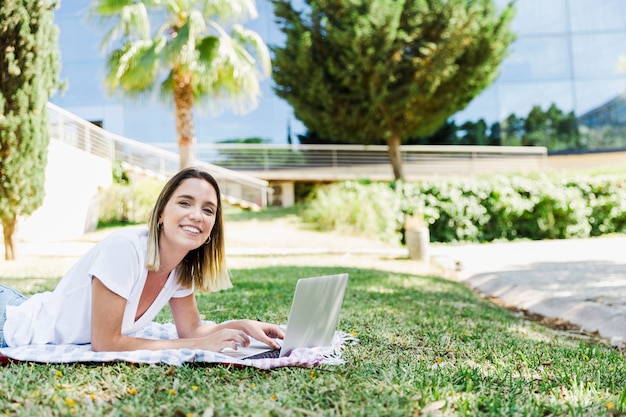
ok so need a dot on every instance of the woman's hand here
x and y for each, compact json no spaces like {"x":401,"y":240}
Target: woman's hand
{"x":217,"y":337}
{"x":261,"y":331}
{"x":235,"y":334}
{"x":222,"y":338}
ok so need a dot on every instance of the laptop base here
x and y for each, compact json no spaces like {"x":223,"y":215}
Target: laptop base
{"x":268,"y":354}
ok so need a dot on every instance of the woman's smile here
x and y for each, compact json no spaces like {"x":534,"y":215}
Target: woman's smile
{"x":191,"y":210}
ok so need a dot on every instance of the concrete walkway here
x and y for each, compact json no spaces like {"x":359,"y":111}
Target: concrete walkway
{"x":582,"y":281}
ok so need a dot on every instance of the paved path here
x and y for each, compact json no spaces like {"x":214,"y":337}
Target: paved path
{"x":582,"y":281}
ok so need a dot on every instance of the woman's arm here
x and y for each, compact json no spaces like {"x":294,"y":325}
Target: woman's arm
{"x":107,"y":312}
{"x":189,"y":325}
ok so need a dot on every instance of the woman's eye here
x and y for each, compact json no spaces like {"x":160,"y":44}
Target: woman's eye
{"x":184,"y":203}
{"x":208,"y":211}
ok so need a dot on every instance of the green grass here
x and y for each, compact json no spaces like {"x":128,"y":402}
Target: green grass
{"x":425,"y":343}
{"x":266,"y":214}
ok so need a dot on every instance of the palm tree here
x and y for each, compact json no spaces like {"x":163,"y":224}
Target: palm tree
{"x":190,"y":57}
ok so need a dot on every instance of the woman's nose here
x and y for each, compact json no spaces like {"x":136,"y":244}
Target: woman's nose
{"x":195,"y":213}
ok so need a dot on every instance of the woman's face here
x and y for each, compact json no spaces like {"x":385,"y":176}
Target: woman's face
{"x":189,"y":215}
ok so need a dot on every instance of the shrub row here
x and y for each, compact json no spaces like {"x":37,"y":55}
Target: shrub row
{"x":476,"y":210}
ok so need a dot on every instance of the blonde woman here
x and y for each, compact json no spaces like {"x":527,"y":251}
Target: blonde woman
{"x":122,"y":283}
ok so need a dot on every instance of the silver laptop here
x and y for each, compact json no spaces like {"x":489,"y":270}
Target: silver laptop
{"x":312,"y":320}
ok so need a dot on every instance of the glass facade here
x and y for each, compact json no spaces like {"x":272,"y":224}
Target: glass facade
{"x":571,"y":53}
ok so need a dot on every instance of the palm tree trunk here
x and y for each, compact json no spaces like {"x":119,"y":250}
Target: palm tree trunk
{"x":393,"y":148}
{"x":185,"y":132}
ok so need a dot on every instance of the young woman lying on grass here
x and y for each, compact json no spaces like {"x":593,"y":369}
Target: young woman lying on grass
{"x":120,"y":285}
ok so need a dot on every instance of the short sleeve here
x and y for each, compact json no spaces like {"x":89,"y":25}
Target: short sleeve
{"x":118,"y":264}
{"x":182,"y":292}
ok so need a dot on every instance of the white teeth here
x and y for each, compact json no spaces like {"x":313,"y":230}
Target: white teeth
{"x":191,"y":229}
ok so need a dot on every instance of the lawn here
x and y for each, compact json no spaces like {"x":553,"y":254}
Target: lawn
{"x":427,"y":346}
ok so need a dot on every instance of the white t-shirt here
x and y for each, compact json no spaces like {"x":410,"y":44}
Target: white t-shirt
{"x":64,"y":315}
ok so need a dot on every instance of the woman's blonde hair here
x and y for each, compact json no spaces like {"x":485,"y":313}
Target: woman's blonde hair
{"x":203,"y":268}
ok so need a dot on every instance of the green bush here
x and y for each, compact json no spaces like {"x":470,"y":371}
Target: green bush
{"x":370,"y":209}
{"x":606,"y":198}
{"x":476,"y":210}
{"x":120,"y":176}
{"x":452,"y":209}
{"x":128,"y":204}
{"x":508,"y":202}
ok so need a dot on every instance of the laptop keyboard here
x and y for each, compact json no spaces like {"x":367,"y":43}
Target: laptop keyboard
{"x":268,"y":354}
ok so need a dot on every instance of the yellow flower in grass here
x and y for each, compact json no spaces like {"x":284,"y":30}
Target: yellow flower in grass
{"x":194,"y":387}
{"x":172,"y":391}
{"x":132,"y":391}
{"x":70,"y":402}
{"x":610,"y":405}
{"x":274,"y":397}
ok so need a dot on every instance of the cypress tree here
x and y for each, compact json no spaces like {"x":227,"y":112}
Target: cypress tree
{"x":29,"y":68}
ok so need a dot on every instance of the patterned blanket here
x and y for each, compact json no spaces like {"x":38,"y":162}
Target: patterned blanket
{"x":304,"y":357}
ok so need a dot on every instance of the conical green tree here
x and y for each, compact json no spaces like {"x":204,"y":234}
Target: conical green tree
{"x":188,"y":56}
{"x":29,"y":69}
{"x":382,"y":71}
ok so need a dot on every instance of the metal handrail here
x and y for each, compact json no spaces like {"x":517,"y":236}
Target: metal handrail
{"x":237,"y":188}
{"x":267,"y":157}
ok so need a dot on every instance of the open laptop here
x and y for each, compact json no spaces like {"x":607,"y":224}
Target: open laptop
{"x":312,"y":320}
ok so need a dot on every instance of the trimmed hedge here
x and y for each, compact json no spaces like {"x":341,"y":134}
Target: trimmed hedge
{"x":476,"y":210}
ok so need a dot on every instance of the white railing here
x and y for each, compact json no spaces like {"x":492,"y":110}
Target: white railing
{"x":237,"y":188}
{"x":424,"y":160}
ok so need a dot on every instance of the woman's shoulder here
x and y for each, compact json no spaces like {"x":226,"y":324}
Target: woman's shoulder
{"x":126,"y":246}
{"x":134,"y":235}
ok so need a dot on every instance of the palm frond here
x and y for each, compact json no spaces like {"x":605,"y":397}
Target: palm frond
{"x":174,"y":7}
{"x":254,"y":44}
{"x":134,"y":67}
{"x":231,"y":11}
{"x":130,"y":20}
{"x":222,"y":64}
{"x":207,"y":48}
{"x":111,"y":7}
{"x":180,"y":48}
